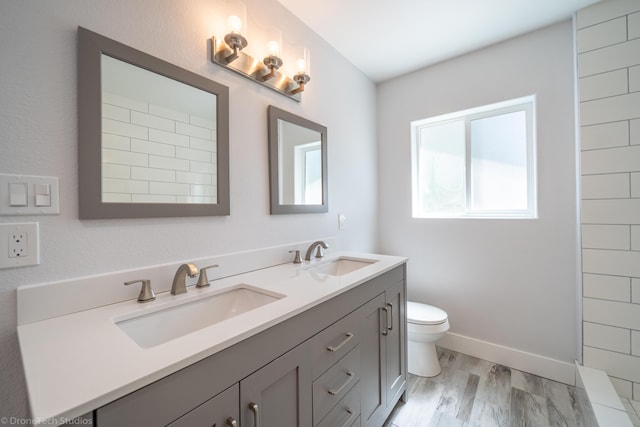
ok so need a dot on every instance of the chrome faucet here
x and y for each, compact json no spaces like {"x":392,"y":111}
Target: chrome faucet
{"x":179,"y":285}
{"x":319,"y":254}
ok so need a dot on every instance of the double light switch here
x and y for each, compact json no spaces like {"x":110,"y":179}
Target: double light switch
{"x":18,"y":194}
{"x":28,"y":195}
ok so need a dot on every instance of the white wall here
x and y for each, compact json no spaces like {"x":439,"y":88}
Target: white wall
{"x":608,"y":48}
{"x":506,"y":282}
{"x":38,"y":137}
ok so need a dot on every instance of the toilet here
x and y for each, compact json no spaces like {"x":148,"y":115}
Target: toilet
{"x":425,"y":325}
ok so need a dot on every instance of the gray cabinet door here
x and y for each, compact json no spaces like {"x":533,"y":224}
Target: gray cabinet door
{"x":219,"y":411}
{"x":396,"y":367}
{"x":372,"y":363}
{"x":279,"y":394}
{"x":383,"y":354}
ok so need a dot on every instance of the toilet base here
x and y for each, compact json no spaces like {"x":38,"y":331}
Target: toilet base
{"x":423,"y":359}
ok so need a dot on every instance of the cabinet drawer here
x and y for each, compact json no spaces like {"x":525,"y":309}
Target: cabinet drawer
{"x":221,"y":410}
{"x":334,"y":342}
{"x":346,"y":413}
{"x":334,"y":384}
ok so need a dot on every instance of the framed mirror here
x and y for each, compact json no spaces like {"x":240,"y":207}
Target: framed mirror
{"x":153,"y":137}
{"x":297,"y":164}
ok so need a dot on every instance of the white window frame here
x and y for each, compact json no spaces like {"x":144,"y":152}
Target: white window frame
{"x":300,"y":170}
{"x":526,"y":104}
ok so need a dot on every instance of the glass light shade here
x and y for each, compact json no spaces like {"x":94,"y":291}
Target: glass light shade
{"x":302,"y":61}
{"x":234,"y":24}
{"x":273,"y":46}
{"x":236,"y":13}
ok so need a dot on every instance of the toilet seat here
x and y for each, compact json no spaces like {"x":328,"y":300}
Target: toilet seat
{"x":424,"y":314}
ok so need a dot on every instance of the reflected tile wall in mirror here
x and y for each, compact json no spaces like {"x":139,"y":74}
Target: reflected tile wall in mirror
{"x":158,"y":145}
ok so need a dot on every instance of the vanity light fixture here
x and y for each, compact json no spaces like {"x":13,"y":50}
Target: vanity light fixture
{"x":235,"y":40}
{"x":272,"y":59}
{"x":235,"y":28}
{"x":303,"y":65}
{"x":228,"y":53}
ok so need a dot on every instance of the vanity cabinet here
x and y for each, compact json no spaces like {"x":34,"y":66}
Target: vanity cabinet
{"x":394,"y":344}
{"x":332,"y":386}
{"x":383,"y":362}
{"x":280,"y":393}
{"x":372,"y":361}
{"x":339,"y":363}
{"x":221,"y":410}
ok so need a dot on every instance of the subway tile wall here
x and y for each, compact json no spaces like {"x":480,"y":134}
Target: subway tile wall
{"x":608,"y":49}
{"x":153,"y":154}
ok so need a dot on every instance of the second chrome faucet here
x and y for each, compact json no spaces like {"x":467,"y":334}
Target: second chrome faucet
{"x":319,"y":254}
{"x":179,"y":285}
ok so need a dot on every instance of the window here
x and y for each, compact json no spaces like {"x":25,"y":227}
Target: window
{"x":308,"y":172}
{"x":477,"y":163}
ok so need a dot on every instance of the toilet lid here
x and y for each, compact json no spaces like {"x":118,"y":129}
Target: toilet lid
{"x":424,"y":314}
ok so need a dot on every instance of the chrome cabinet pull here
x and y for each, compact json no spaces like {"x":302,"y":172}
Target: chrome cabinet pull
{"x":385,"y":331}
{"x":390,"y":327}
{"x":349,"y":335}
{"x":333,"y":392}
{"x":256,"y":414}
{"x":231,"y":422}
{"x":348,"y":422}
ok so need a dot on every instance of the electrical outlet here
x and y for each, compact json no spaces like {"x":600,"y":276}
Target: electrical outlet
{"x":19,"y":245}
{"x":341,"y":220}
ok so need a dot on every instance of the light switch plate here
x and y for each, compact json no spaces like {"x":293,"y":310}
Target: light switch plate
{"x":19,"y":244}
{"x":36,"y":203}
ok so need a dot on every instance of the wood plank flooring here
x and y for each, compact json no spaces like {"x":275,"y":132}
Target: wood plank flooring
{"x":470,"y":392}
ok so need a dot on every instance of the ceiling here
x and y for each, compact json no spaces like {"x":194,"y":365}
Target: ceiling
{"x":387,"y":38}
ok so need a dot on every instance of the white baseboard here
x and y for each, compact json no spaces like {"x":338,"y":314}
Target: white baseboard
{"x":528,"y":362}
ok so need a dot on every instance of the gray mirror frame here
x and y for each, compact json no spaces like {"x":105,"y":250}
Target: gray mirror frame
{"x":91,"y":46}
{"x":274,"y":114}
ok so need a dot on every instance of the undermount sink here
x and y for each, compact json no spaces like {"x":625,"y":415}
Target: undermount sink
{"x":340,"y":266}
{"x":151,"y":329}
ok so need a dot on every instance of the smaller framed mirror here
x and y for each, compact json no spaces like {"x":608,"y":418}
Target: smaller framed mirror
{"x":297,"y":164}
{"x":153,"y":137}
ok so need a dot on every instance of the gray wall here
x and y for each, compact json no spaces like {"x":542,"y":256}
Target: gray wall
{"x":506,"y":282}
{"x":608,"y":41}
{"x":38,"y":127}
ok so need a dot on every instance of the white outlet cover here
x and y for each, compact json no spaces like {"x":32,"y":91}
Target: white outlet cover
{"x":31,"y":230}
{"x":18,"y":244}
{"x":341,"y":220}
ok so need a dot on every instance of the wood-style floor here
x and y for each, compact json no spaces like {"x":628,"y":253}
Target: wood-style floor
{"x":474,"y":392}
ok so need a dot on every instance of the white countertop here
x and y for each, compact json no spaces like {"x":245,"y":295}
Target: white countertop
{"x":78,"y":362}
